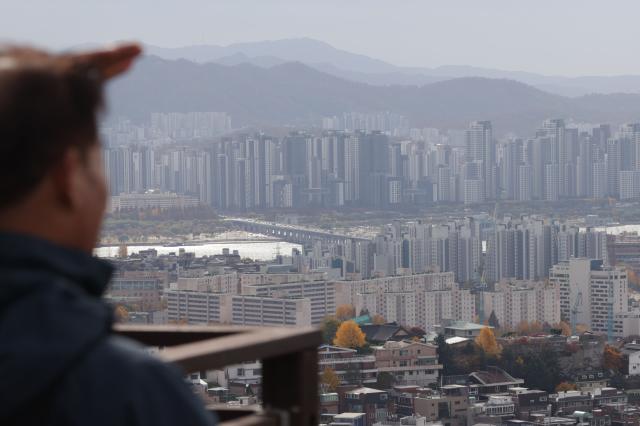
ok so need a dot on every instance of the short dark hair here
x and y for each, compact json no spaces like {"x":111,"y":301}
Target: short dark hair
{"x":44,"y":110}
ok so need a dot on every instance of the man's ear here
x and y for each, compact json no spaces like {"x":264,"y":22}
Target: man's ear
{"x":66,"y":177}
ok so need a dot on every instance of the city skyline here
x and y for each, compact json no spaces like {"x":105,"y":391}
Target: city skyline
{"x":294,"y":212}
{"x":369,"y":160}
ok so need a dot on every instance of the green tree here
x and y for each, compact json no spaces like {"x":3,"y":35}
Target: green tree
{"x":329,"y":326}
{"x":493,"y":320}
{"x":385,"y":380}
{"x":445,"y":355}
{"x":539,"y":367}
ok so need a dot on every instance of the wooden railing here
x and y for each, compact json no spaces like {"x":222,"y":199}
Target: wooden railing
{"x":289,"y":365}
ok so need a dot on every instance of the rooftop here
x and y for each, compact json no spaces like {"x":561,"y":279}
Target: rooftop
{"x":494,"y":375}
{"x":454,"y":340}
{"x":364,"y":390}
{"x":349,"y":415}
{"x":463,"y":325}
{"x":384,"y":332}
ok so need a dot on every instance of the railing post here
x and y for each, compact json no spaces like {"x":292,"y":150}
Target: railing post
{"x":290,"y":384}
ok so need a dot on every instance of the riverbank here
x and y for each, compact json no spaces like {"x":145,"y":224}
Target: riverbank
{"x":188,"y":239}
{"x":254,"y":249}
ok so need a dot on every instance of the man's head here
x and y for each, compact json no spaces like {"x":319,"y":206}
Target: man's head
{"x":52,"y":182}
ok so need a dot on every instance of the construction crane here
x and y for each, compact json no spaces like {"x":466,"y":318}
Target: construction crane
{"x":480,"y":285}
{"x":575,"y":310}
{"x":610,"y":315}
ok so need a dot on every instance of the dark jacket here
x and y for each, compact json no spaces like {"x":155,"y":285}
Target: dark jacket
{"x":59,"y":362}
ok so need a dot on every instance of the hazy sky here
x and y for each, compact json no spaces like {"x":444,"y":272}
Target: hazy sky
{"x":569,"y":37}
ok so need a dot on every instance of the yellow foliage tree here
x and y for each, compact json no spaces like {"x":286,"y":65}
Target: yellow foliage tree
{"x":612,"y":359}
{"x":345,"y":312}
{"x":487,"y":341}
{"x":121,"y":313}
{"x":349,"y":335}
{"x":378,"y":319}
{"x":330,"y":379}
{"x":565,"y":386}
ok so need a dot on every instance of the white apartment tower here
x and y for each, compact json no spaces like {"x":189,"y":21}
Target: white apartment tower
{"x":594,"y":292}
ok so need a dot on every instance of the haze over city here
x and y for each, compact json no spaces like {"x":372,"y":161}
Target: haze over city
{"x":571,"y":37}
{"x":320,"y":213}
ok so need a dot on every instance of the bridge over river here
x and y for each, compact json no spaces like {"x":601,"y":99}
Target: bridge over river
{"x":292,"y":233}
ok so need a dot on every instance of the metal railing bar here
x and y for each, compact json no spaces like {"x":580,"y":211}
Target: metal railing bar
{"x":171,"y":335}
{"x":251,"y":420}
{"x":233,"y":349}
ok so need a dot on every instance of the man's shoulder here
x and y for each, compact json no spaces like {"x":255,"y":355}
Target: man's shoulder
{"x":124,"y":353}
{"x":119,"y":358}
{"x":121,"y":375}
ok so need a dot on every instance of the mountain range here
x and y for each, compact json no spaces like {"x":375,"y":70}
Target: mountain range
{"x":293,"y":93}
{"x":364,"y":69}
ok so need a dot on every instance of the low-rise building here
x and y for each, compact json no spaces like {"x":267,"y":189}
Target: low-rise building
{"x":373,"y":402}
{"x":349,"y":366}
{"x":410,"y":363}
{"x":329,"y":403}
{"x":349,"y":419}
{"x":609,"y":397}
{"x":492,"y":381}
{"x":462,"y":329}
{"x":381,"y":333}
{"x":152,"y":200}
{"x":529,"y":401}
{"x":631,"y":352}
{"x":591,"y":380}
{"x":450,"y":405}
{"x":487,"y":382}
{"x":402,"y":421}
{"x":499,"y":408}
{"x":565,"y":403}
{"x":246,"y":373}
{"x":144,"y":292}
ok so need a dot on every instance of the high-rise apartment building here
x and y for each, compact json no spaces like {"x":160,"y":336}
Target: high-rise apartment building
{"x":422,"y":300}
{"x":357,"y":168}
{"x":481,"y":149}
{"x":517,"y":302}
{"x":591,"y":293}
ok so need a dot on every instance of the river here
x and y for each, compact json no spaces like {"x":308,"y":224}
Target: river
{"x":619,"y":229}
{"x":254,"y":249}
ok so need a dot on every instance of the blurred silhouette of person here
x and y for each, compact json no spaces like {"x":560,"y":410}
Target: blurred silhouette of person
{"x":60,"y":363}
